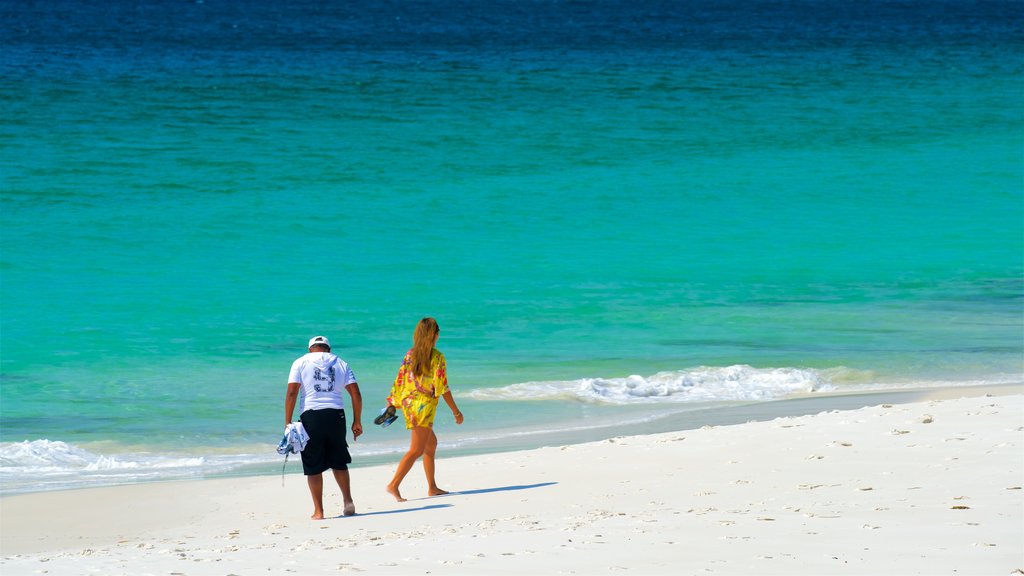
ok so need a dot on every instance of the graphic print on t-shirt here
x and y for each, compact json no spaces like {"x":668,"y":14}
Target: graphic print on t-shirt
{"x":324,"y":375}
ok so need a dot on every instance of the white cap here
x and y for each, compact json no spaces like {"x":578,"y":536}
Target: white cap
{"x":319,"y":340}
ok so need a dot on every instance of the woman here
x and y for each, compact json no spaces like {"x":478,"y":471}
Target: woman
{"x":420,"y":382}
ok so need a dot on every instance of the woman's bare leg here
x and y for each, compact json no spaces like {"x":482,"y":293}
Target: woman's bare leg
{"x":428,"y":466}
{"x":417,"y":444}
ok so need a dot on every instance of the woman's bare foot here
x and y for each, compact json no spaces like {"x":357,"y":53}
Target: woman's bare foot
{"x":317,"y":515}
{"x":394,"y":492}
{"x":436,"y":492}
{"x":350,"y":509}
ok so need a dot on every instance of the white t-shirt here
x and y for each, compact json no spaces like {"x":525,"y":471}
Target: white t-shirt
{"x":323,"y":376}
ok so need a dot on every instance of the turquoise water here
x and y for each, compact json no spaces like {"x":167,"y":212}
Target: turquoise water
{"x":616,"y":214}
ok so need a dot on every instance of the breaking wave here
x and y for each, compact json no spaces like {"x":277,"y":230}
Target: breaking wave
{"x":737,"y":383}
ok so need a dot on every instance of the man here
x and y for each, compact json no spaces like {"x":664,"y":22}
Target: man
{"x":320,"y":376}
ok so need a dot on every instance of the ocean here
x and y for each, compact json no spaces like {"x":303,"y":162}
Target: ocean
{"x":626,"y":216}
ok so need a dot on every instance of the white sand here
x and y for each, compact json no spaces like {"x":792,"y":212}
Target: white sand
{"x":925,"y":488}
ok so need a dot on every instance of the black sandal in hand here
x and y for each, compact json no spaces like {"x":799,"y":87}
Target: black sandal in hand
{"x":387,"y":416}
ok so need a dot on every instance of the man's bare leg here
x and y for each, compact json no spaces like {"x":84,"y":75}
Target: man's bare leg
{"x":316,"y":490}
{"x":342,"y":478}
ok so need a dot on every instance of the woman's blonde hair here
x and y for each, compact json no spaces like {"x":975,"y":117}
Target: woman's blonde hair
{"x":423,"y":344}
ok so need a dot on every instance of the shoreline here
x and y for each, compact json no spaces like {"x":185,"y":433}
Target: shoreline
{"x":932,"y":486}
{"x":640,"y":420}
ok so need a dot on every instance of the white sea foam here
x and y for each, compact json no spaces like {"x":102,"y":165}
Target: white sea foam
{"x":704,"y":384}
{"x":737,"y":383}
{"x":56,"y":456}
{"x":39,"y":465}
{"x":47,"y":464}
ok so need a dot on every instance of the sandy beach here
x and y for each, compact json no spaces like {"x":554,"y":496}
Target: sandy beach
{"x":932,"y":487}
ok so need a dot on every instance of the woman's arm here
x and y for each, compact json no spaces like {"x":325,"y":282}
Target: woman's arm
{"x":450,"y":401}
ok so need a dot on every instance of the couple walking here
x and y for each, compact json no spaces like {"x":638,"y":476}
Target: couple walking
{"x":315,"y":383}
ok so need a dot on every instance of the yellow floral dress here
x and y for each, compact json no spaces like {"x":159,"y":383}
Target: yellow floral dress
{"x":417,"y":395}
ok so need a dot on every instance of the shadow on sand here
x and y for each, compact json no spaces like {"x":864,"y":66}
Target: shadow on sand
{"x":450,"y":494}
{"x":501,"y":489}
{"x":399,"y":511}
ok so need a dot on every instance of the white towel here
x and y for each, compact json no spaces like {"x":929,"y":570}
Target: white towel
{"x":294,"y":440}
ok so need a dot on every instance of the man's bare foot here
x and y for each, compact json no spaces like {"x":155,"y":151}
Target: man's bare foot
{"x":394,"y":492}
{"x":436,"y":492}
{"x":317,"y":515}
{"x":350,"y":509}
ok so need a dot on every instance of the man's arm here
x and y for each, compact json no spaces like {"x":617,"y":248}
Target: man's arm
{"x":357,"y":409}
{"x":290,"y":397}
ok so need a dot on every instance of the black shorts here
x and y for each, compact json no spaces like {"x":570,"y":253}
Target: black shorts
{"x":327,"y":448}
